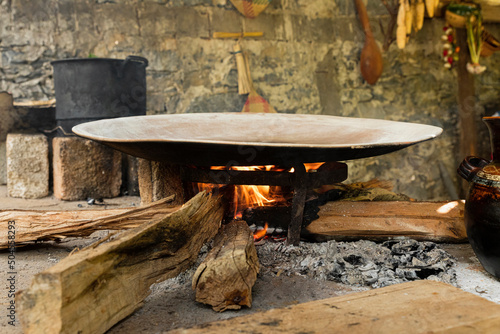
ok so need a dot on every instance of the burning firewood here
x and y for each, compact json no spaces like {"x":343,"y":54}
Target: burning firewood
{"x":91,"y":290}
{"x":225,"y":278}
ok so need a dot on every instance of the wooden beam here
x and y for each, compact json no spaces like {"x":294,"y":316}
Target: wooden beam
{"x":415,"y":307}
{"x":91,"y":290}
{"x":466,"y":95}
{"x":225,"y":278}
{"x":37,"y":225}
{"x":432,"y":221}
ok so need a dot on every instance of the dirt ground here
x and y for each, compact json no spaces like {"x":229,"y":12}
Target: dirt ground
{"x":171,"y":303}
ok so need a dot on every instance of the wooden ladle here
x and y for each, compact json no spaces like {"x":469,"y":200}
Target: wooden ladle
{"x":371,"y":58}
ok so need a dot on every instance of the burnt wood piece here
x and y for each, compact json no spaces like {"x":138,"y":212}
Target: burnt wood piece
{"x":279,"y":215}
{"x":158,"y":180}
{"x":225,"y":278}
{"x":93,"y":289}
{"x":298,"y":202}
{"x":37,"y":225}
{"x":417,"y":307}
{"x":431,"y":221}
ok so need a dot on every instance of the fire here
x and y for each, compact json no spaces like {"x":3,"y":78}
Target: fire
{"x":250,"y":196}
{"x":259,"y":234}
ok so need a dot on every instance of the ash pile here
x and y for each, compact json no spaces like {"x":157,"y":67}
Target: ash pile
{"x":360,"y":263}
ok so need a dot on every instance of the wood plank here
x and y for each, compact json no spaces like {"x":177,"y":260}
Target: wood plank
{"x":38,"y":225}
{"x":225,"y":278}
{"x":433,"y":221}
{"x":93,"y":289}
{"x":415,"y":307}
{"x":466,"y":98}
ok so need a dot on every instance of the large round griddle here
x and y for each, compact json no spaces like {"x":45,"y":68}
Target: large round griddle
{"x":221,"y":139}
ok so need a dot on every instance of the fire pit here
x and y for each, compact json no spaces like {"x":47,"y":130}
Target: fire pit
{"x":240,"y":139}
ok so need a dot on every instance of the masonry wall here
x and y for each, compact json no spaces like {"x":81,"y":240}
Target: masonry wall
{"x":306,"y":62}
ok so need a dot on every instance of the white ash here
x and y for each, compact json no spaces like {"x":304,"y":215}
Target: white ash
{"x":360,"y":263}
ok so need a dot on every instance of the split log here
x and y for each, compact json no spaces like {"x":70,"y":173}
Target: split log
{"x":93,"y":289}
{"x":37,"y":225}
{"x":432,"y":221}
{"x":416,"y":307}
{"x":225,"y":278}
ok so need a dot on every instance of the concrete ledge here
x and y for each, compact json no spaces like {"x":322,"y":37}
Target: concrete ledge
{"x":27,"y":165}
{"x":85,"y":169}
{"x":3,"y":163}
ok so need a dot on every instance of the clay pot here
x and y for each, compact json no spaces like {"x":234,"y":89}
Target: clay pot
{"x":482,"y":206}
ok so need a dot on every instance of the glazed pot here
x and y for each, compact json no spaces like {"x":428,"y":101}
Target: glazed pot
{"x":482,"y":206}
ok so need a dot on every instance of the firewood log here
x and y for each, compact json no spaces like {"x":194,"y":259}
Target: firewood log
{"x":225,"y":278}
{"x":93,"y":289}
{"x":37,"y":225}
{"x":432,"y":221}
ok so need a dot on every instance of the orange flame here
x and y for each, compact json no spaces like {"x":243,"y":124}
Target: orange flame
{"x":260,"y":233}
{"x":250,"y":196}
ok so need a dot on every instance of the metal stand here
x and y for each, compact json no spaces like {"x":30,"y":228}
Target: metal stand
{"x":300,"y":180}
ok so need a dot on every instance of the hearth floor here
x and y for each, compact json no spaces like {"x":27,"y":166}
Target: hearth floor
{"x":171,"y":303}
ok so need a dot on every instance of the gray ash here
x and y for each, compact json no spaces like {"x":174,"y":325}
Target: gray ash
{"x":360,"y":263}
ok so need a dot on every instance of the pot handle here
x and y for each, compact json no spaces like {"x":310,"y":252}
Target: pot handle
{"x":470,"y":166}
{"x":136,"y":59}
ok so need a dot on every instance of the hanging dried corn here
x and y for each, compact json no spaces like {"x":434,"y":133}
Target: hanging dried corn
{"x":430,"y":6}
{"x":408,"y":16}
{"x":401,"y":23}
{"x":419,"y":15}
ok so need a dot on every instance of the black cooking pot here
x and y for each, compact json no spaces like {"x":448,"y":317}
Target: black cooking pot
{"x":96,"y":88}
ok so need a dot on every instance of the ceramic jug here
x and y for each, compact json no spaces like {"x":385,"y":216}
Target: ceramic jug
{"x":482,"y":206}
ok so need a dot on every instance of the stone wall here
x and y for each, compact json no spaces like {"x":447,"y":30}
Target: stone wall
{"x":306,"y":62}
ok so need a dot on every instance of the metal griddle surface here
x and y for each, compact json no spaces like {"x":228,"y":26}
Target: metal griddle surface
{"x":209,"y":139}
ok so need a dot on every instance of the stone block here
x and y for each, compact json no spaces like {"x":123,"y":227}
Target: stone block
{"x":85,"y":169}
{"x":6,"y":114}
{"x":27,"y":165}
{"x":3,"y":163}
{"x":185,"y":17}
{"x":227,"y":20}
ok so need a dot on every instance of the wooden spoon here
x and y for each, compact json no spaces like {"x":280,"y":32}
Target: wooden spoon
{"x":371,"y":58}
